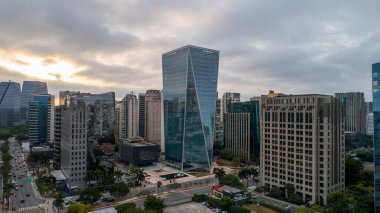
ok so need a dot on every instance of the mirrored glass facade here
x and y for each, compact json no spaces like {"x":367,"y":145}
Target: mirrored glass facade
{"x":189,"y":90}
{"x":10,"y":93}
{"x":376,"y":126}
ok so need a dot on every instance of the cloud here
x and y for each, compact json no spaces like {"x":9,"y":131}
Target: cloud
{"x":289,"y":46}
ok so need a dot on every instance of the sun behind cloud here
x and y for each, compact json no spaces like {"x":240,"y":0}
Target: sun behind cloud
{"x":40,"y":67}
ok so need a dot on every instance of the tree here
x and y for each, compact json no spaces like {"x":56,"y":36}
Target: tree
{"x":289,"y":189}
{"x":235,"y":163}
{"x":295,"y":198}
{"x":244,"y":173}
{"x":159,"y":183}
{"x":352,"y":170}
{"x":139,"y":174}
{"x":119,"y":189}
{"x":275,"y":192}
{"x":230,"y":180}
{"x":118,"y":175}
{"x":220,"y":173}
{"x":154,"y":203}
{"x":90,"y":195}
{"x":226,"y":202}
{"x":78,"y":208}
{"x":58,"y":201}
{"x":253,"y":173}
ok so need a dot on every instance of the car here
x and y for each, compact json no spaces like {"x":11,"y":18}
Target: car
{"x":22,"y":201}
{"x":28,"y":195}
{"x":21,"y":185}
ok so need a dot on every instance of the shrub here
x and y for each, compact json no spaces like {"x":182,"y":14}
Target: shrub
{"x":199,"y":198}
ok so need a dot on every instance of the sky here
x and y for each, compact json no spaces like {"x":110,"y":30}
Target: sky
{"x":292,"y":47}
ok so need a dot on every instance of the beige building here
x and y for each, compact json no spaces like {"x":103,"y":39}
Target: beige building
{"x":74,"y":144}
{"x":128,"y":121}
{"x":153,"y":116}
{"x":302,"y":143}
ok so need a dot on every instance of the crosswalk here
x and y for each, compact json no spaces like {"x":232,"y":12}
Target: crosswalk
{"x":27,"y":208}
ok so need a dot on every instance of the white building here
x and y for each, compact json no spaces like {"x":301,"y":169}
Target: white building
{"x":74,"y":144}
{"x":302,"y":144}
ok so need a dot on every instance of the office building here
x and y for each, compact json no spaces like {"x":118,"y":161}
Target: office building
{"x":152,"y":116}
{"x":129,"y":117}
{"x":138,"y":152}
{"x":57,"y":137}
{"x":354,"y":110}
{"x":190,"y":77}
{"x":219,"y":123}
{"x":229,"y":97}
{"x":369,"y":124}
{"x":63,"y":95}
{"x":376,"y":132}
{"x":74,"y":144}
{"x":302,"y":144}
{"x":101,"y":113}
{"x":29,"y":89}
{"x":141,"y":131}
{"x":242,"y":130}
{"x":369,"y":107}
{"x":41,"y":120}
{"x":10,"y":94}
{"x":118,"y":107}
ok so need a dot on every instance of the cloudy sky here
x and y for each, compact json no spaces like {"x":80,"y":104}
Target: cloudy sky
{"x":99,"y":46}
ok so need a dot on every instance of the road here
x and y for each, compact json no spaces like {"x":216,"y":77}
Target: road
{"x":24,"y":198}
{"x":171,"y":198}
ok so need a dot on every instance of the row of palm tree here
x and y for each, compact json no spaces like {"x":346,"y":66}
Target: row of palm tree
{"x":138,"y":174}
{"x":248,"y":172}
{"x":100,"y":177}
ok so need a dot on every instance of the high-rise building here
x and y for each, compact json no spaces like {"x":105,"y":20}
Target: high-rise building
{"x":302,"y":144}
{"x":229,"y":97}
{"x":218,"y":123}
{"x":74,"y":143}
{"x":118,"y":108}
{"x":190,"y":76}
{"x":152,"y":116}
{"x":101,"y":113}
{"x":242,"y":130}
{"x":376,"y":128}
{"x":369,"y":123}
{"x":64,"y":94}
{"x":369,"y":107}
{"x":354,"y":111}
{"x":129,"y":117}
{"x":141,"y":131}
{"x":41,"y":120}
{"x":29,"y":89}
{"x":57,"y":137}
{"x":10,"y":93}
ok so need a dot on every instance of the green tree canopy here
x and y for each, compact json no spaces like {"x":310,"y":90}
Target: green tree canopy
{"x":78,"y":208}
{"x":154,"y":203}
{"x":119,"y":189}
{"x":230,"y":180}
{"x":90,"y":195}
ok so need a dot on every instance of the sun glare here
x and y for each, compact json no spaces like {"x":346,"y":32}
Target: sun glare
{"x":43,"y":68}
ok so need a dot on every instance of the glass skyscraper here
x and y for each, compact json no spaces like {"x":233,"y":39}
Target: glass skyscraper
{"x":190,"y":77}
{"x":376,"y":127}
{"x":41,"y":120}
{"x":29,"y":89}
{"x":10,"y":93}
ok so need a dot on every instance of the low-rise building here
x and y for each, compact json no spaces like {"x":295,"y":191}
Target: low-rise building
{"x":139,"y":152}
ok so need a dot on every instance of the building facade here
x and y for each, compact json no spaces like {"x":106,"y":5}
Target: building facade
{"x":242,"y":130}
{"x":29,"y":89}
{"x":41,"y":120}
{"x":228,"y":97}
{"x":369,"y":124}
{"x":129,"y":125}
{"x":57,"y":137}
{"x":118,"y":107}
{"x":376,"y":132}
{"x":190,"y":77}
{"x":141,"y":131}
{"x":153,"y":116}
{"x":10,"y":96}
{"x":74,"y":144}
{"x":354,"y":110}
{"x":219,"y":134}
{"x":302,"y":144}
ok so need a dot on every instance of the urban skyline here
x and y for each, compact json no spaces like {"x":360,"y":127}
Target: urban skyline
{"x":333,"y":43}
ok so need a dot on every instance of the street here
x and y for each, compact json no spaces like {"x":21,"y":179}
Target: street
{"x":24,"y":197}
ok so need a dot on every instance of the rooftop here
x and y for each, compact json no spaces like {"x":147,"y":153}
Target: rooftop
{"x":230,"y":189}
